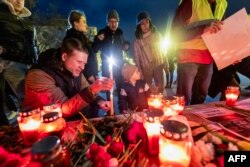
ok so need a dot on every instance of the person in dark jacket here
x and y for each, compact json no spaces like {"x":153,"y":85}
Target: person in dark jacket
{"x":77,"y":21}
{"x":111,"y":43}
{"x":17,"y":49}
{"x":134,"y":91}
{"x":60,"y":81}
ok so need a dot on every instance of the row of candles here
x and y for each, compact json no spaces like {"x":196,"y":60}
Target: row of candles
{"x":37,"y":124}
{"x":169,"y":138}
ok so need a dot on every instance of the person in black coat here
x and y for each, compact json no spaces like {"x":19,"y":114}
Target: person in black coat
{"x":134,"y":91}
{"x":77,"y":21}
{"x":17,"y":52}
{"x":110,"y":42}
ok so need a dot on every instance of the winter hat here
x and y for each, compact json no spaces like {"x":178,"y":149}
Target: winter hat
{"x":112,"y":14}
{"x":127,"y":71}
{"x":143,"y":15}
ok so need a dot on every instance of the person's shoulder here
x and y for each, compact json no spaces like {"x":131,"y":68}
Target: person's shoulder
{"x":119,"y":31}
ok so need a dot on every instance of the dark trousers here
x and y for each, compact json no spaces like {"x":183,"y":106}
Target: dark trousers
{"x":193,"y":81}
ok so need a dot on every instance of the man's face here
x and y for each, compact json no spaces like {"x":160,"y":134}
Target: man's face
{"x":75,"y":62}
{"x":113,"y":24}
{"x":17,"y":4}
{"x":81,"y":25}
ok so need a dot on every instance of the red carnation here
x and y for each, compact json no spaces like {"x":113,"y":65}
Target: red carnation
{"x":3,"y":155}
{"x":116,"y":148}
{"x":108,"y":139}
{"x":14,"y":160}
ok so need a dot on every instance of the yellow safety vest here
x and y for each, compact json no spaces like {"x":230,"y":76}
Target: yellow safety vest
{"x":201,"y":10}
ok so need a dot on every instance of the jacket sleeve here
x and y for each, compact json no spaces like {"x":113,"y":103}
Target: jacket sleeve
{"x":123,"y":101}
{"x":137,"y":54}
{"x":97,"y":44}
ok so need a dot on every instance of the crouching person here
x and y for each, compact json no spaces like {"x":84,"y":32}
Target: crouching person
{"x":58,"y":79}
{"x":134,"y":91}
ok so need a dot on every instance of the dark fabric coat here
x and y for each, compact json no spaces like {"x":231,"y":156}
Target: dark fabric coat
{"x":48,"y":82}
{"x":134,"y":97}
{"x":111,"y":45}
{"x":91,"y":68}
{"x":17,"y":37}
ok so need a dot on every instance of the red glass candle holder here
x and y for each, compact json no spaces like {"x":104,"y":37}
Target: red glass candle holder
{"x":180,"y":104}
{"x":155,"y":101}
{"x":175,"y":148}
{"x":52,"y":108}
{"x":232,"y":93}
{"x":169,"y":102}
{"x":29,"y":122}
{"x":52,"y":124}
{"x":151,"y":122}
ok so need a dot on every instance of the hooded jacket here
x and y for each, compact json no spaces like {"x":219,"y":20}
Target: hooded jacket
{"x":17,"y":35}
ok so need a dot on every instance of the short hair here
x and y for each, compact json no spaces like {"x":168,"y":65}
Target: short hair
{"x":71,"y":44}
{"x":75,"y":15}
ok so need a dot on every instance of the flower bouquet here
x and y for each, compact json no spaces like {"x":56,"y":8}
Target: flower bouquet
{"x":210,"y":143}
{"x":106,"y":142}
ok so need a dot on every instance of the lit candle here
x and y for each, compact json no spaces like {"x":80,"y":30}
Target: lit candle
{"x":175,"y":148}
{"x":29,"y":123}
{"x":180,"y":103}
{"x":111,"y":61}
{"x":232,"y":93}
{"x":151,"y":123}
{"x":168,"y":109}
{"x":52,"y":124}
{"x":155,"y":101}
{"x":52,"y":108}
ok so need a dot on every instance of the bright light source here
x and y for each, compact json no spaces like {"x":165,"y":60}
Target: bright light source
{"x":111,"y":60}
{"x":165,"y":44}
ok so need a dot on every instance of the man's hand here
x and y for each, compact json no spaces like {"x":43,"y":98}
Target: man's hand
{"x":214,"y":27}
{"x":91,"y":79}
{"x":101,"y":84}
{"x":101,"y":37}
{"x":105,"y":105}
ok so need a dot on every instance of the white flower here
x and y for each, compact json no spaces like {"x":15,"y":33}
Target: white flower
{"x":206,"y":150}
{"x":232,"y":147}
{"x":113,"y":162}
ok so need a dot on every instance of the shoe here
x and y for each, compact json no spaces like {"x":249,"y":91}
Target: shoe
{"x":11,"y":115}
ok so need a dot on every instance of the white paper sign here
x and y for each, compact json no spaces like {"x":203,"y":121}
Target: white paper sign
{"x":232,"y":43}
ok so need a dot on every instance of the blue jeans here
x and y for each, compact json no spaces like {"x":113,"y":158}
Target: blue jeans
{"x":193,"y":81}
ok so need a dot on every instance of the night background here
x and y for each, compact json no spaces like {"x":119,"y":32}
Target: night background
{"x":44,"y":11}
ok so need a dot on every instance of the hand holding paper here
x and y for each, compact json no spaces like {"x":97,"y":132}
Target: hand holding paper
{"x":232,"y":43}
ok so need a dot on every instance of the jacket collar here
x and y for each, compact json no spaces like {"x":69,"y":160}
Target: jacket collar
{"x":24,"y":13}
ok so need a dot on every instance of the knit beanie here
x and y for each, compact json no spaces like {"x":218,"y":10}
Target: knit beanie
{"x":127,"y":71}
{"x":112,"y":14}
{"x":141,"y":16}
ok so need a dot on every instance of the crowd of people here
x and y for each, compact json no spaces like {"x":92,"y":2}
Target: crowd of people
{"x":68,"y":76}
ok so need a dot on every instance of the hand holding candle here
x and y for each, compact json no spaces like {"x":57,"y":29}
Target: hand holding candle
{"x":102,"y":84}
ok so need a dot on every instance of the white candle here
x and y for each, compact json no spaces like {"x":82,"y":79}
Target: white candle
{"x":111,"y":91}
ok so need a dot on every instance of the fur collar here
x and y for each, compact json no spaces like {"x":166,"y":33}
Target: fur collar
{"x":24,"y":13}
